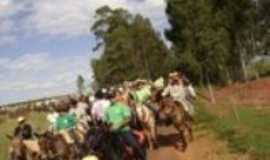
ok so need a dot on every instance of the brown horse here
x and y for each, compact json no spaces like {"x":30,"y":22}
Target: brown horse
{"x":146,"y":118}
{"x":54,"y":147}
{"x":173,"y":112}
{"x":19,"y":151}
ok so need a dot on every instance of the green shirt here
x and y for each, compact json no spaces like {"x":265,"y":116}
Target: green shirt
{"x":142,"y":95}
{"x":66,"y":122}
{"x":116,"y":114}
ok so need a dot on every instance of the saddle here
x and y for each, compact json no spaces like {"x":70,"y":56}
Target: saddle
{"x":32,"y":145}
{"x":72,"y":136}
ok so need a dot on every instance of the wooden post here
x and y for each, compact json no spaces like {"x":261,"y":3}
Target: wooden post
{"x":234,"y":108}
{"x":210,"y":89}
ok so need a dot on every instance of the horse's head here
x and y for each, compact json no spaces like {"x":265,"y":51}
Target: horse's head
{"x":17,"y":150}
{"x":166,"y":108}
{"x":157,"y":96}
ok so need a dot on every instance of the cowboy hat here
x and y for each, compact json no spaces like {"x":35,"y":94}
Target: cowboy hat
{"x":21,"y":119}
{"x":91,"y":99}
{"x":173,"y":74}
{"x":90,"y":158}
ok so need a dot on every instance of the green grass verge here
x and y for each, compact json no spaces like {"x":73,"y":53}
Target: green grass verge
{"x":250,"y":133}
{"x":38,"y":120}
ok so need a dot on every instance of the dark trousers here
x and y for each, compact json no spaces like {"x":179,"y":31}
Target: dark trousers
{"x":130,"y":139}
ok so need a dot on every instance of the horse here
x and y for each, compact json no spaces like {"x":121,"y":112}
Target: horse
{"x":55,"y":147}
{"x":173,"y":113}
{"x":20,"y":151}
{"x":146,"y":119}
{"x":107,"y":145}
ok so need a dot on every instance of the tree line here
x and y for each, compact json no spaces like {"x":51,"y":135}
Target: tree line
{"x":212,"y":41}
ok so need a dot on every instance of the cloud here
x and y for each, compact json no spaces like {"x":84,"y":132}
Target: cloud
{"x":74,"y":18}
{"x":8,"y":10}
{"x":66,"y":18}
{"x":41,"y":74}
{"x":7,"y":40}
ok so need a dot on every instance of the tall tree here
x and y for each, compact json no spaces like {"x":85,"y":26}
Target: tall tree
{"x":131,"y":47}
{"x":211,"y":37}
{"x":262,"y":26}
{"x":199,"y":39}
{"x":80,"y":84}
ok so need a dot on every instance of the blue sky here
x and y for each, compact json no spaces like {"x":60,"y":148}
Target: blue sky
{"x":45,"y":44}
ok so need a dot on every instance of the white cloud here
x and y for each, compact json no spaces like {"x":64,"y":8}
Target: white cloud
{"x":6,"y":40}
{"x":41,"y":74}
{"x":9,"y":9}
{"x":6,"y":32}
{"x":73,"y":18}
{"x":66,"y":18}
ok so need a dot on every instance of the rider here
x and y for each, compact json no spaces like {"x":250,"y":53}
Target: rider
{"x":100,"y":106}
{"x":65,"y":124}
{"x":52,"y":117}
{"x":118,"y":115}
{"x":176,"y":90}
{"x":23,"y":130}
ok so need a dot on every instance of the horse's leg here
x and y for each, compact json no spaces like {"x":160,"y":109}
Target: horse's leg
{"x":188,"y":126}
{"x":148,"y":138}
{"x":153,"y":132}
{"x":190,"y":130}
{"x":180,"y":129}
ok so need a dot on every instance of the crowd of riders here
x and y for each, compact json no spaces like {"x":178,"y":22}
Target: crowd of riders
{"x":110,"y":107}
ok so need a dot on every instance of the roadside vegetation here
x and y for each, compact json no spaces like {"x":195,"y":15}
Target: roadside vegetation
{"x":259,"y":69}
{"x":246,"y":129}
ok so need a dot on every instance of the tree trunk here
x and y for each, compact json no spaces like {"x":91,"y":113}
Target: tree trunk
{"x":210,"y":89}
{"x":244,"y":67}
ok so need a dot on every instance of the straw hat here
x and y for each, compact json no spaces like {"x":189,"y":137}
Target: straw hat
{"x":91,"y":98}
{"x":21,"y":119}
{"x":90,"y":158}
{"x":173,"y":75}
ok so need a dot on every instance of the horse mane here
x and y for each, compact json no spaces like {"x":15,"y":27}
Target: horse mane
{"x":157,"y":96}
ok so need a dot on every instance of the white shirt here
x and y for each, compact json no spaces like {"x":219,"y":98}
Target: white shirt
{"x":80,"y":110}
{"x":99,"y":108}
{"x":52,"y":117}
{"x":177,"y":92}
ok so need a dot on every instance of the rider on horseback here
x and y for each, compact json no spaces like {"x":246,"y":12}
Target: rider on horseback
{"x":99,"y":107}
{"x":177,"y":90}
{"x":118,"y":115}
{"x":23,"y":130}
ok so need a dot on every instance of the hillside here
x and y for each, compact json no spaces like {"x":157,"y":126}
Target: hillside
{"x":253,"y":93}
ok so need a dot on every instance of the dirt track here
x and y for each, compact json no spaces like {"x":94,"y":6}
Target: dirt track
{"x":204,"y":147}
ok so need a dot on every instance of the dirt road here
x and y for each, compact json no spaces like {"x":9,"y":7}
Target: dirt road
{"x":204,"y":147}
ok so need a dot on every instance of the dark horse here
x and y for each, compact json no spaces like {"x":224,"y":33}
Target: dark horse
{"x":19,"y":151}
{"x":55,"y":147}
{"x":172,"y":113}
{"x":106,"y":145}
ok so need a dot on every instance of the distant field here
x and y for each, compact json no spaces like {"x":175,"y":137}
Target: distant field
{"x":38,"y":120}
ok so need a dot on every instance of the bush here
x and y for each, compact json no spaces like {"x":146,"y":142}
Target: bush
{"x":260,"y":68}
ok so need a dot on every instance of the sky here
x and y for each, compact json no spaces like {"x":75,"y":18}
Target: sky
{"x":46,"y":44}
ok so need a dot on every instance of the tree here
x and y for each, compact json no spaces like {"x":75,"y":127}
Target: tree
{"x":200,"y":41}
{"x":80,"y":84}
{"x":262,"y":26}
{"x":212,"y":38}
{"x":131,"y":47}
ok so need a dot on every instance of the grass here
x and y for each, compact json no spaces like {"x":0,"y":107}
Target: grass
{"x":7,"y":125}
{"x":249,"y":133}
